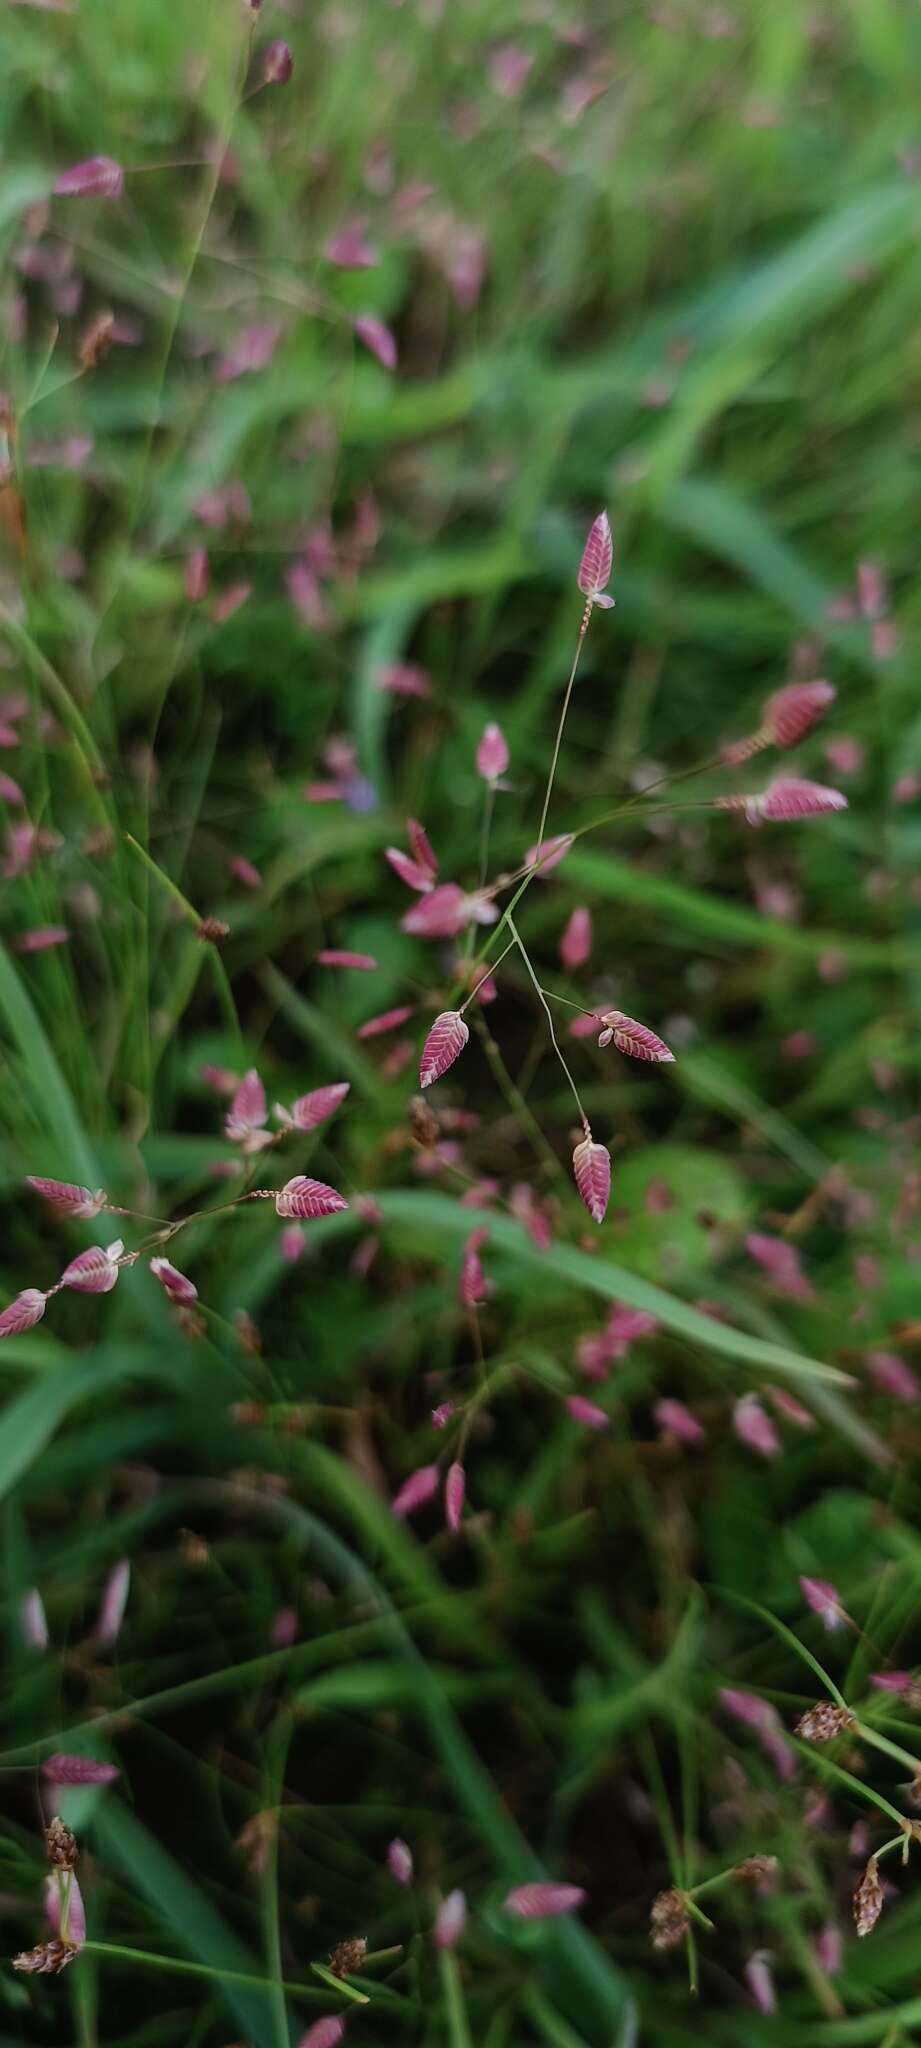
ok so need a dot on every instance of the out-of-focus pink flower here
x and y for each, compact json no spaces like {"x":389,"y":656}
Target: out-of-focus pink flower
{"x":761,"y":1983}
{"x":113,"y":1603}
{"x":764,"y":1719}
{"x":421,"y":847}
{"x":348,"y":248}
{"x":404,"y":679}
{"x":441,"y":1415}
{"x":508,"y":68}
{"x":243,"y":871}
{"x":42,"y":938}
{"x":587,"y":1412}
{"x":62,"y":1769}
{"x":793,"y":711}
{"x":179,"y":1288}
{"x":472,"y":1289}
{"x":76,"y":1912}
{"x":221,"y":1079}
{"x":492,"y":755}
{"x":822,"y":1598}
{"x":94,"y":1271}
{"x":197,"y":575}
{"x":247,"y":1115}
{"x":586,"y":1026}
{"x":906,"y":787}
{"x":292,"y":1243}
{"x":543,"y":1901}
{"x":10,"y":792}
{"x":230,"y":601}
{"x":400,"y":1861}
{"x":893,"y":1375}
{"x":780,"y":1259}
{"x":313,"y":1109}
{"x":591,"y":1165}
{"x":786,"y":797}
{"x":99,"y":177}
{"x":444,"y":1044}
{"x":524,"y":1204}
{"x":303,"y":587}
{"x":78,"y":1201}
{"x":308,"y":1198}
{"x":408,"y":871}
{"x":547,"y":857}
{"x":872,"y":590}
{"x":791,"y":1409}
{"x":576,"y":942}
{"x":416,"y":1490}
{"x":900,"y":1682}
{"x":455,"y":1488}
{"x":277,"y":66}
{"x":33,"y":1621}
{"x":754,"y":1428}
{"x":595,"y":566}
{"x":798,"y":1045}
{"x":389,"y":1020}
{"x":637,"y":1040}
{"x":828,"y":1944}
{"x":252,"y":350}
{"x":674,"y":1419}
{"x":625,"y":1324}
{"x":377,"y":338}
{"x":446,"y":912}
{"x":845,"y":754}
{"x":450,"y":1920}
{"x":336,"y":956}
{"x":284,"y":1628}
{"x":325,"y":2033}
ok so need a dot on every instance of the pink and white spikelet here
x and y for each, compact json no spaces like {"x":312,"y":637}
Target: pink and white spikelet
{"x":595,"y":566}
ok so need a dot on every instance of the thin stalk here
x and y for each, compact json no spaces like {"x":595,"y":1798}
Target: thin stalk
{"x":549,"y":1016}
{"x":583,"y":629}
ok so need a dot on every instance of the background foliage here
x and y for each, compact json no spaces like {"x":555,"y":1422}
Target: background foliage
{"x":673,"y":268}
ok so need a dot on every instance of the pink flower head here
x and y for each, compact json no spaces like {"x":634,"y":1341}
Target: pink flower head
{"x":389,"y":1020}
{"x":444,"y":1044}
{"x":591,"y":1164}
{"x":325,"y":2033}
{"x":284,"y":1628}
{"x":790,"y":1408}
{"x":415,"y":1491}
{"x":61,"y":1769}
{"x":455,"y":1488}
{"x":277,"y":66}
{"x":76,"y":1913}
{"x":113,"y":1603}
{"x":348,"y":249}
{"x":441,"y":1415}
{"x":313,"y":1109}
{"x":472,"y":1289}
{"x":630,"y":1037}
{"x":408,"y":871}
{"x":674,"y":1419}
{"x":243,"y":871}
{"x":65,"y":1195}
{"x":893,"y":1375}
{"x":421,"y":847}
{"x":400,"y":1861}
{"x":595,"y":566}
{"x":576,"y":942}
{"x":450,"y":1920}
{"x":492,"y":755}
{"x":828,"y":1944}
{"x":543,"y":1901}
{"x":446,"y":912}
{"x":788,"y":797}
{"x":180,"y":1289}
{"x":253,"y":350}
{"x":547,"y":857}
{"x":793,"y":711}
{"x":377,"y":338}
{"x":197,"y":575}
{"x":404,"y":679}
{"x":10,"y":792}
{"x":587,"y":1412}
{"x":334,"y":956}
{"x":508,"y":68}
{"x":291,"y":1243}
{"x":754,"y":1428}
{"x":900,"y":1682}
{"x":780,"y":1259}
{"x":230,"y":601}
{"x":33,"y":1620}
{"x":94,"y":1271}
{"x":247,"y":1114}
{"x":42,"y":937}
{"x":537,"y":1220}
{"x":761,"y":1983}
{"x":822,"y":1598}
{"x":310,"y":1198}
{"x":99,"y":177}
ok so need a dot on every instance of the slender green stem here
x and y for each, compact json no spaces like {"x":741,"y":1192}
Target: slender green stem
{"x":459,"y":2034}
{"x":559,"y":731}
{"x":308,"y":1992}
{"x":549,"y":1016}
{"x":901,"y":1756}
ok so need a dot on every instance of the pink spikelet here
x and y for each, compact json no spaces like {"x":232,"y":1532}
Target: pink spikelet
{"x":547,"y":857}
{"x":455,"y":1487}
{"x":754,"y":1428}
{"x":325,"y":2033}
{"x":400,"y":1861}
{"x":78,"y":1201}
{"x":313,"y":1109}
{"x":76,"y":1913}
{"x":591,"y":1164}
{"x":62,"y":1769}
{"x":277,"y":63}
{"x":586,"y":1412}
{"x":409,"y":871}
{"x":377,"y":338}
{"x":442,"y":914}
{"x":33,"y":1620}
{"x":23,"y":1313}
{"x":389,"y":1020}
{"x":823,"y":1599}
{"x":99,"y":177}
{"x":793,"y":711}
{"x":114,"y":1602}
{"x":787,"y":797}
{"x":420,"y":847}
{"x":94,"y":1271}
{"x":780,"y":1259}
{"x":492,"y":755}
{"x":179,"y":1288}
{"x":247,"y":1114}
{"x":576,"y":942}
{"x":675,"y":1420}
{"x":450,"y":1920}
{"x":472,"y":1289}
{"x":337,"y":956}
{"x":632,"y":1038}
{"x":304,"y":1197}
{"x":444,"y":1044}
{"x":415,"y":1491}
{"x":595,"y":566}
{"x":543,"y":1901}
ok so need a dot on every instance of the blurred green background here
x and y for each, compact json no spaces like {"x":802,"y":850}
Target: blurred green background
{"x":661,"y":258}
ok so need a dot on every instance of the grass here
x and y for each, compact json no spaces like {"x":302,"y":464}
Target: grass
{"x":672,"y":268}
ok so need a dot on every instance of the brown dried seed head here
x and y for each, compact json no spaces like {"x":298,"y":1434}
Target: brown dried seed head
{"x":668,"y":1920}
{"x":824,"y":1721}
{"x":212,"y":930}
{"x":47,"y":1959}
{"x":61,"y":1844}
{"x":422,"y":1122}
{"x":256,"y":1840}
{"x":868,"y":1899}
{"x":758,"y":1869}
{"x":97,"y":341}
{"x":348,"y":1956}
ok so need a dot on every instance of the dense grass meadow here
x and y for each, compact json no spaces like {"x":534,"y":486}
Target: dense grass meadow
{"x":409,"y":1541}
